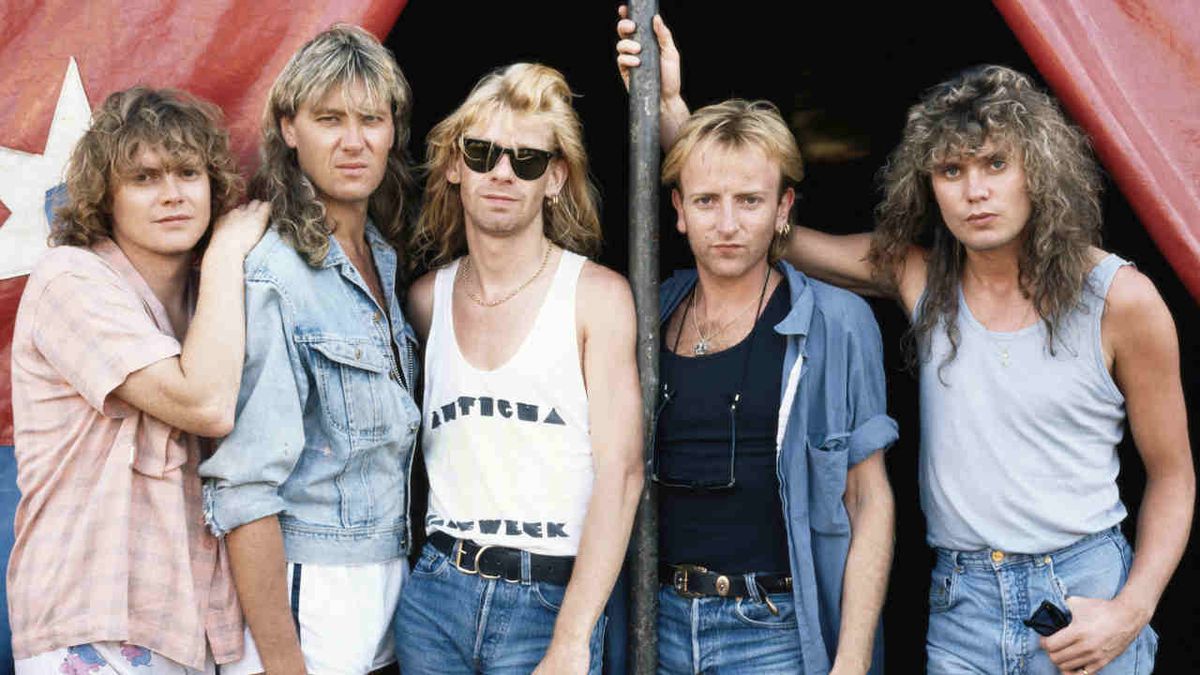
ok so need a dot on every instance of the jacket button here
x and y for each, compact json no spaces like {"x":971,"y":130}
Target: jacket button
{"x":378,"y":316}
{"x":357,"y":353}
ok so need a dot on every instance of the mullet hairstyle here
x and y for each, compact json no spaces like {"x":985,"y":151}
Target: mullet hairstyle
{"x":340,"y":57}
{"x":525,"y":89}
{"x":184,"y":129}
{"x":737,"y":124}
{"x":1002,"y":106}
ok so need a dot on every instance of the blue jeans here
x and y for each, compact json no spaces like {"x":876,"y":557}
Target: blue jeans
{"x":451,"y":622}
{"x":9,"y":496}
{"x":978,"y":599}
{"x":727,"y":635}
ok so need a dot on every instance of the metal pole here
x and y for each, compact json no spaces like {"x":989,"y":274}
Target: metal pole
{"x":643,"y":273}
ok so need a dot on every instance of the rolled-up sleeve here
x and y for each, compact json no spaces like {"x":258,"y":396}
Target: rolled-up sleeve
{"x":871,"y":428}
{"x":243,"y":476}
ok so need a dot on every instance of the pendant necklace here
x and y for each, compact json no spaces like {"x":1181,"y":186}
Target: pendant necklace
{"x":704,"y":342}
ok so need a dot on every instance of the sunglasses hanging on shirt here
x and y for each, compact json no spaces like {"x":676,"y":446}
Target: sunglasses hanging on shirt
{"x":482,"y":156}
{"x":724,"y":481}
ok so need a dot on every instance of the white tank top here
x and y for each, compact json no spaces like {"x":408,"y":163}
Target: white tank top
{"x":507,"y":450}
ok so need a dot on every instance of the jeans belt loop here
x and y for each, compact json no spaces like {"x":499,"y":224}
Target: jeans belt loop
{"x":751,"y":587}
{"x":526,"y":568}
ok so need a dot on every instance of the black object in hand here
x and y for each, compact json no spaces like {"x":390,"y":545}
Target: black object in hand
{"x":1048,"y":619}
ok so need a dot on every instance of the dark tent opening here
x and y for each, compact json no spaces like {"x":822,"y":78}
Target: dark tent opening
{"x":843,"y":74}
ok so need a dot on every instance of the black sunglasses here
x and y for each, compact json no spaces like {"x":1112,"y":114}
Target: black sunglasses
{"x":527,"y":163}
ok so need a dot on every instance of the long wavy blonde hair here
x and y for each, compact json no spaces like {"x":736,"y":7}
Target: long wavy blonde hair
{"x":999,"y":105}
{"x":186,"y":129}
{"x":342,"y":56}
{"x":524,"y":88}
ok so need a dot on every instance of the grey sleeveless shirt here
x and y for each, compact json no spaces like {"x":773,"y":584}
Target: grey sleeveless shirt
{"x":1018,"y":443}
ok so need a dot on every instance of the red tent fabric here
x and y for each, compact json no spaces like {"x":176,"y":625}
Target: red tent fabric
{"x":227,"y":51}
{"x":1129,"y":72}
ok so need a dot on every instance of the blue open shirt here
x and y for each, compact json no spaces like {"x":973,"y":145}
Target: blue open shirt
{"x":833,"y":415}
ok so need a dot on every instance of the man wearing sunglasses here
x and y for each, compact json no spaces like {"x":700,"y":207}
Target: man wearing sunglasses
{"x":531,"y":405}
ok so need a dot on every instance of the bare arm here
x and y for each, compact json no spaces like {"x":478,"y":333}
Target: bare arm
{"x":673,"y":111}
{"x":1140,"y":334}
{"x":257,"y":559}
{"x":197,"y":391}
{"x":614,"y":417}
{"x":869,"y":504}
{"x":419,"y":310}
{"x":841,"y":259}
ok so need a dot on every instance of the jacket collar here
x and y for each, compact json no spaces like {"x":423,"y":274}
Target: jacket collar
{"x":337,"y":255}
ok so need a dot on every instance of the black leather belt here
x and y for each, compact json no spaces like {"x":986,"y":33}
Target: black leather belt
{"x":694,"y":581}
{"x":502,"y":562}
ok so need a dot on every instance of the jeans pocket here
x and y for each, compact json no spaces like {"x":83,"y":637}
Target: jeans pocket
{"x":549,"y":595}
{"x":941,"y":590}
{"x":759,"y":614}
{"x":1147,"y":651}
{"x":432,"y":563}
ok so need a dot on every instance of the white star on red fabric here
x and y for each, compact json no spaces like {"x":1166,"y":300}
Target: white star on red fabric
{"x":25,"y":178}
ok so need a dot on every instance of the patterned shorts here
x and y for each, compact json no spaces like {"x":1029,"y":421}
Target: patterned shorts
{"x":105,"y":658}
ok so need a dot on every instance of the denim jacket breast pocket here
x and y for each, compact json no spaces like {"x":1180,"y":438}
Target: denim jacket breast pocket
{"x":351,"y":376}
{"x":828,"y":462}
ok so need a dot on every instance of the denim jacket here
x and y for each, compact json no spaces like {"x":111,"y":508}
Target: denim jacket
{"x":833,"y":415}
{"x":326,"y":421}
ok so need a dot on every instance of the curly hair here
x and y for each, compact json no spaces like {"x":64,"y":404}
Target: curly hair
{"x":737,"y":123}
{"x":185,"y":129}
{"x":994,"y":104}
{"x":341,"y":56}
{"x":524,"y":88}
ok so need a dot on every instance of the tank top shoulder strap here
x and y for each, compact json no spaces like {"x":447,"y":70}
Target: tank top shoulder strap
{"x":566,"y":277}
{"x":1100,"y":279}
{"x":443,"y":293}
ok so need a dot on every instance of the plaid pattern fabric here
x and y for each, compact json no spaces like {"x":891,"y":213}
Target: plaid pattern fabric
{"x":110,"y":536}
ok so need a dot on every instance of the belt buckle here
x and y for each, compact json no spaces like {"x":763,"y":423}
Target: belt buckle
{"x":458,"y":554}
{"x":480,"y":571}
{"x":679,"y":580}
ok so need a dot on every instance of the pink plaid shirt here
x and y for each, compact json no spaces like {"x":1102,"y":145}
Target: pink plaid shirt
{"x":110,"y":535}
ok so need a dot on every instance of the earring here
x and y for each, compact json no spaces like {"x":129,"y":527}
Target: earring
{"x":784,"y":230}
{"x":553,"y":200}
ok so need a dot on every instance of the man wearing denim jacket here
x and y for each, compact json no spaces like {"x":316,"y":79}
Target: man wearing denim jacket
{"x":311,"y":486}
{"x":775,"y":513}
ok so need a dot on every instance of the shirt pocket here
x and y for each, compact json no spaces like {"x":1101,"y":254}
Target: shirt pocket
{"x":828,"y":461}
{"x":351,"y":381}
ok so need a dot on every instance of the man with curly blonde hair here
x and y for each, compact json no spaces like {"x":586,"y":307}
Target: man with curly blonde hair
{"x":310,"y":488}
{"x":531,"y":403}
{"x":122,"y":359}
{"x":1034,"y":347}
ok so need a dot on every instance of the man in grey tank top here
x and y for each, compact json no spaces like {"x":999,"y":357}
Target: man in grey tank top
{"x":532,"y":432}
{"x":1034,"y":347}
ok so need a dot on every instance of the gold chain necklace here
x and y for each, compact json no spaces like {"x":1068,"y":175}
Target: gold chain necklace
{"x":465,"y":269}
